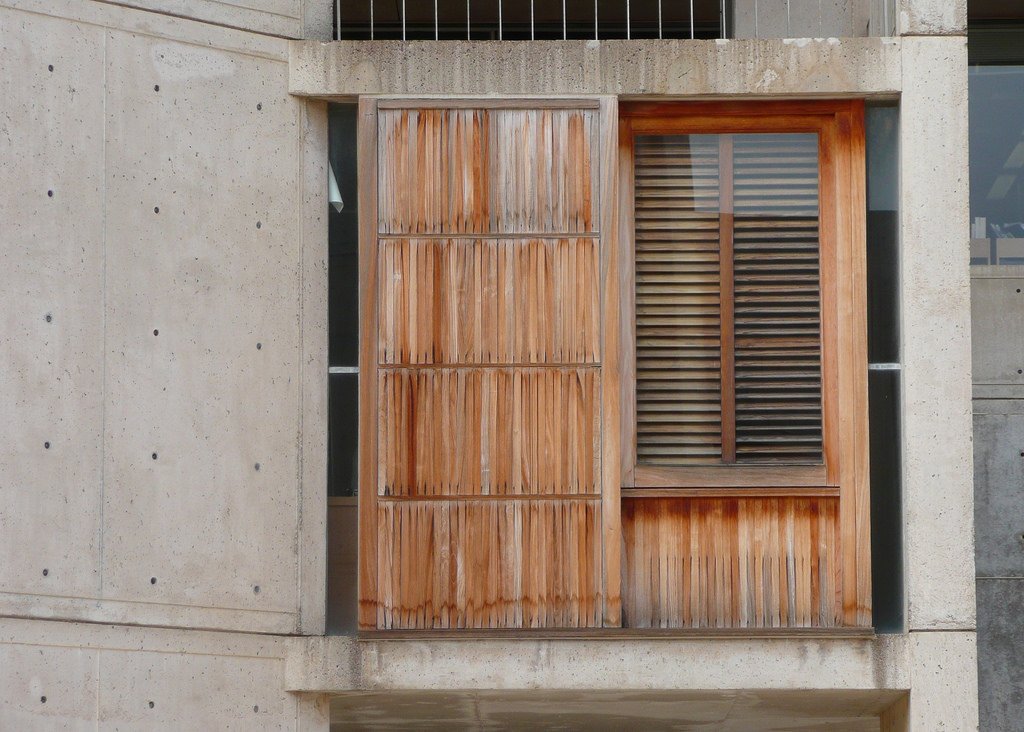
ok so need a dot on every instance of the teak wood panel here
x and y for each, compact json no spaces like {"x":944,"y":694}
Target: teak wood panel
{"x":487,"y":171}
{"x":495,"y":431}
{"x":481,"y":500}
{"x":842,"y":477}
{"x":489,"y":301}
{"x":489,"y":564}
{"x":731,"y":563}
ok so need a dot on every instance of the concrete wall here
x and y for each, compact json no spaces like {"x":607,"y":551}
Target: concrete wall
{"x":997,"y":299}
{"x":169,"y":300}
{"x":164,"y":341}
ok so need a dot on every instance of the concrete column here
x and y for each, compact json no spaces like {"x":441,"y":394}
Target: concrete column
{"x":938,"y":482}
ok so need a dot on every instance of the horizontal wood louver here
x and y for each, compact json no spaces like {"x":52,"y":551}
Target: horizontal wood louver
{"x":777,"y":299}
{"x":678,"y":300}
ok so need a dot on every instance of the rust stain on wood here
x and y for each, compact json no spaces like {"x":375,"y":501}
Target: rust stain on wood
{"x":487,"y":301}
{"x":494,"y":431}
{"x":508,"y":564}
{"x":731,"y":563}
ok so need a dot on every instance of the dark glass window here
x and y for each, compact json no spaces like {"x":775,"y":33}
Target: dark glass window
{"x":884,"y":373}
{"x":343,"y":264}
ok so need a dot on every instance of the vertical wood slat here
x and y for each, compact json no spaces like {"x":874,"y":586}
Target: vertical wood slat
{"x":482,"y":171}
{"x":731,"y":563}
{"x":463,"y":301}
{"x":493,"y":431}
{"x":368,"y":615}
{"x":489,"y":564}
{"x":612,"y":311}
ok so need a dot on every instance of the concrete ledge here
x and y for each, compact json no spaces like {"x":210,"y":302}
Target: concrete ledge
{"x":335,"y":664}
{"x":795,"y":67}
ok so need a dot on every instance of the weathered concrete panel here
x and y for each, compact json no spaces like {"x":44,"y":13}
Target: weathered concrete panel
{"x":935,"y":303}
{"x":278,"y":17}
{"x":51,"y":324}
{"x":998,"y":491}
{"x":338,"y":663}
{"x":109,"y":677}
{"x":944,"y":682}
{"x":47,"y":687}
{"x":627,"y":68}
{"x":1000,"y":649}
{"x":202,"y":329}
{"x":997,"y":330}
{"x":932,"y":17}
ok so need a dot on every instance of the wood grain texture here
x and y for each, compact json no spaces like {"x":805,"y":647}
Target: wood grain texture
{"x":731,"y":563}
{"x":486,"y":301}
{"x":494,"y":431}
{"x":487,"y":171}
{"x":498,"y":564}
{"x":487,"y":370}
{"x":367,"y":457}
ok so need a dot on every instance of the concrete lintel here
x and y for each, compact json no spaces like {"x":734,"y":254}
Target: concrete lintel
{"x":793,"y":67}
{"x":336,"y":664}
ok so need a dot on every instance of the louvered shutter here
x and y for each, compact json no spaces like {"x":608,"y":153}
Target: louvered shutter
{"x":745,"y":466}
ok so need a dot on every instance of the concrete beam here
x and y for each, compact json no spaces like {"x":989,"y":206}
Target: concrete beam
{"x":804,"y":67}
{"x":932,"y":17}
{"x":338,"y":664}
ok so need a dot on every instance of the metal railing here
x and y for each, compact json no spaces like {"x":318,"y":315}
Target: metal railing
{"x":528,"y":19}
{"x":505,"y":20}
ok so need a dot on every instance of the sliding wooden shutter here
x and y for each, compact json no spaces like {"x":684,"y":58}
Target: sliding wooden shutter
{"x":745,"y":498}
{"x":481,"y":481}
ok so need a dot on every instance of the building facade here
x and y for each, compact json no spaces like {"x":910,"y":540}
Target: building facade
{"x":376,"y":365}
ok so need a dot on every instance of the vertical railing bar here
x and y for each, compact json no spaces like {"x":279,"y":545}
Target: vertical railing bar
{"x":659,"y":21}
{"x":722,"y":32}
{"x":789,"y":25}
{"x":501,"y":22}
{"x":467,"y":21}
{"x":565,"y":27}
{"x":533,"y":35}
{"x":403,"y":20}
{"x":337,"y":20}
{"x":372,"y":23}
{"x":596,"y":36}
{"x":629,"y":29}
{"x":693,"y":33}
{"x":757,"y":34}
{"x":437,"y":36}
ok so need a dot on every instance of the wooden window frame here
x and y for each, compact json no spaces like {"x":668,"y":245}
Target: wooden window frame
{"x":842,"y":303}
{"x":844,"y":474}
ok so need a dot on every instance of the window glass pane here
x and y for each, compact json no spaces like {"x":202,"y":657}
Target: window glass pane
{"x":343,"y":237}
{"x":728,"y":331}
{"x":777,"y":299}
{"x":996,"y":102}
{"x":341,"y":434}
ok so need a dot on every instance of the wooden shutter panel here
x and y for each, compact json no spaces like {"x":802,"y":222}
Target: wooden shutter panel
{"x":777,"y":298}
{"x":678,"y":301}
{"x":755,"y":516}
{"x":481,"y":498}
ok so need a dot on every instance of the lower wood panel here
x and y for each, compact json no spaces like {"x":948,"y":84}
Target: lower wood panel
{"x":489,"y":564}
{"x":731,"y":563}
